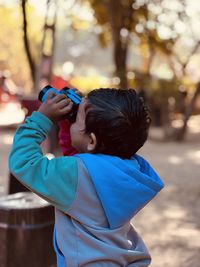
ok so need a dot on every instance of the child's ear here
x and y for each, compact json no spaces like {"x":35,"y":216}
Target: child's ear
{"x":92,"y":143}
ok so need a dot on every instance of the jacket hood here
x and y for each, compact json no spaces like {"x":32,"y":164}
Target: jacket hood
{"x":124,"y":186}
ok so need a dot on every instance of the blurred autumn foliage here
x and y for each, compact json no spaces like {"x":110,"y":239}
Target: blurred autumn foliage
{"x":154,"y":46}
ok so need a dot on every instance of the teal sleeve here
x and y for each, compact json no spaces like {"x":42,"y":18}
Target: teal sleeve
{"x":54,"y":180}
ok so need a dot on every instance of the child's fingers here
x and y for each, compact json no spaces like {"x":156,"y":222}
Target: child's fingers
{"x":63,"y":102}
{"x":59,"y":97}
{"x":66,"y":109}
{"x":83,"y":108}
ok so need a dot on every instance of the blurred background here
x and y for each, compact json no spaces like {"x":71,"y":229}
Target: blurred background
{"x":150,"y":45}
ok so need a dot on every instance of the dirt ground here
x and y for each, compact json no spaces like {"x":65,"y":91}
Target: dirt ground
{"x":170,"y":224}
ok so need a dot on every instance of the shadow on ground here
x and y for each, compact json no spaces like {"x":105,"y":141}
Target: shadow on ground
{"x":170,"y":224}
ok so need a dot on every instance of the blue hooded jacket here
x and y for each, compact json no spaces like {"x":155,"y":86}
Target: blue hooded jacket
{"x":95,"y":197}
{"x":123,"y":186}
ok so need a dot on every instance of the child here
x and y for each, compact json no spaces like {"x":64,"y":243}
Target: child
{"x":98,"y":191}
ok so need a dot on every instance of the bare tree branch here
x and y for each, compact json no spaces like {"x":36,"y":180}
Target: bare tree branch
{"x":26,"y":41}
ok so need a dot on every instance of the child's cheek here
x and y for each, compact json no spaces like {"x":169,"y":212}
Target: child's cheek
{"x":71,"y":129}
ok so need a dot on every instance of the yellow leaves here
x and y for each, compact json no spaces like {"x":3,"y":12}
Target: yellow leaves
{"x":105,"y":38}
{"x":87,"y":83}
{"x":144,"y":49}
{"x":78,"y":24}
{"x":101,"y":12}
{"x":11,"y":41}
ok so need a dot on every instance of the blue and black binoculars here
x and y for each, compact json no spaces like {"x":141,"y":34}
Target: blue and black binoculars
{"x":75,"y":98}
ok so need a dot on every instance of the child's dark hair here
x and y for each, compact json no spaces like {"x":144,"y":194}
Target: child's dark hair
{"x":119,"y":119}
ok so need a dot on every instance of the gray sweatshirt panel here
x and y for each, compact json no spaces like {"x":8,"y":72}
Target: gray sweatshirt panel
{"x":84,"y":236}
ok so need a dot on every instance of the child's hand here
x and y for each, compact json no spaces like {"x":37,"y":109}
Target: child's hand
{"x":56,"y":107}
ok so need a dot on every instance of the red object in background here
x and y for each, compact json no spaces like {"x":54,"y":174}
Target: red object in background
{"x":30,"y":104}
{"x":58,"y":82}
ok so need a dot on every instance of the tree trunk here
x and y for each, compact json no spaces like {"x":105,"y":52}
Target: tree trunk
{"x":44,"y":70}
{"x":120,"y":53}
{"x":188,"y":113}
{"x":120,"y":43}
{"x":26,"y":42}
